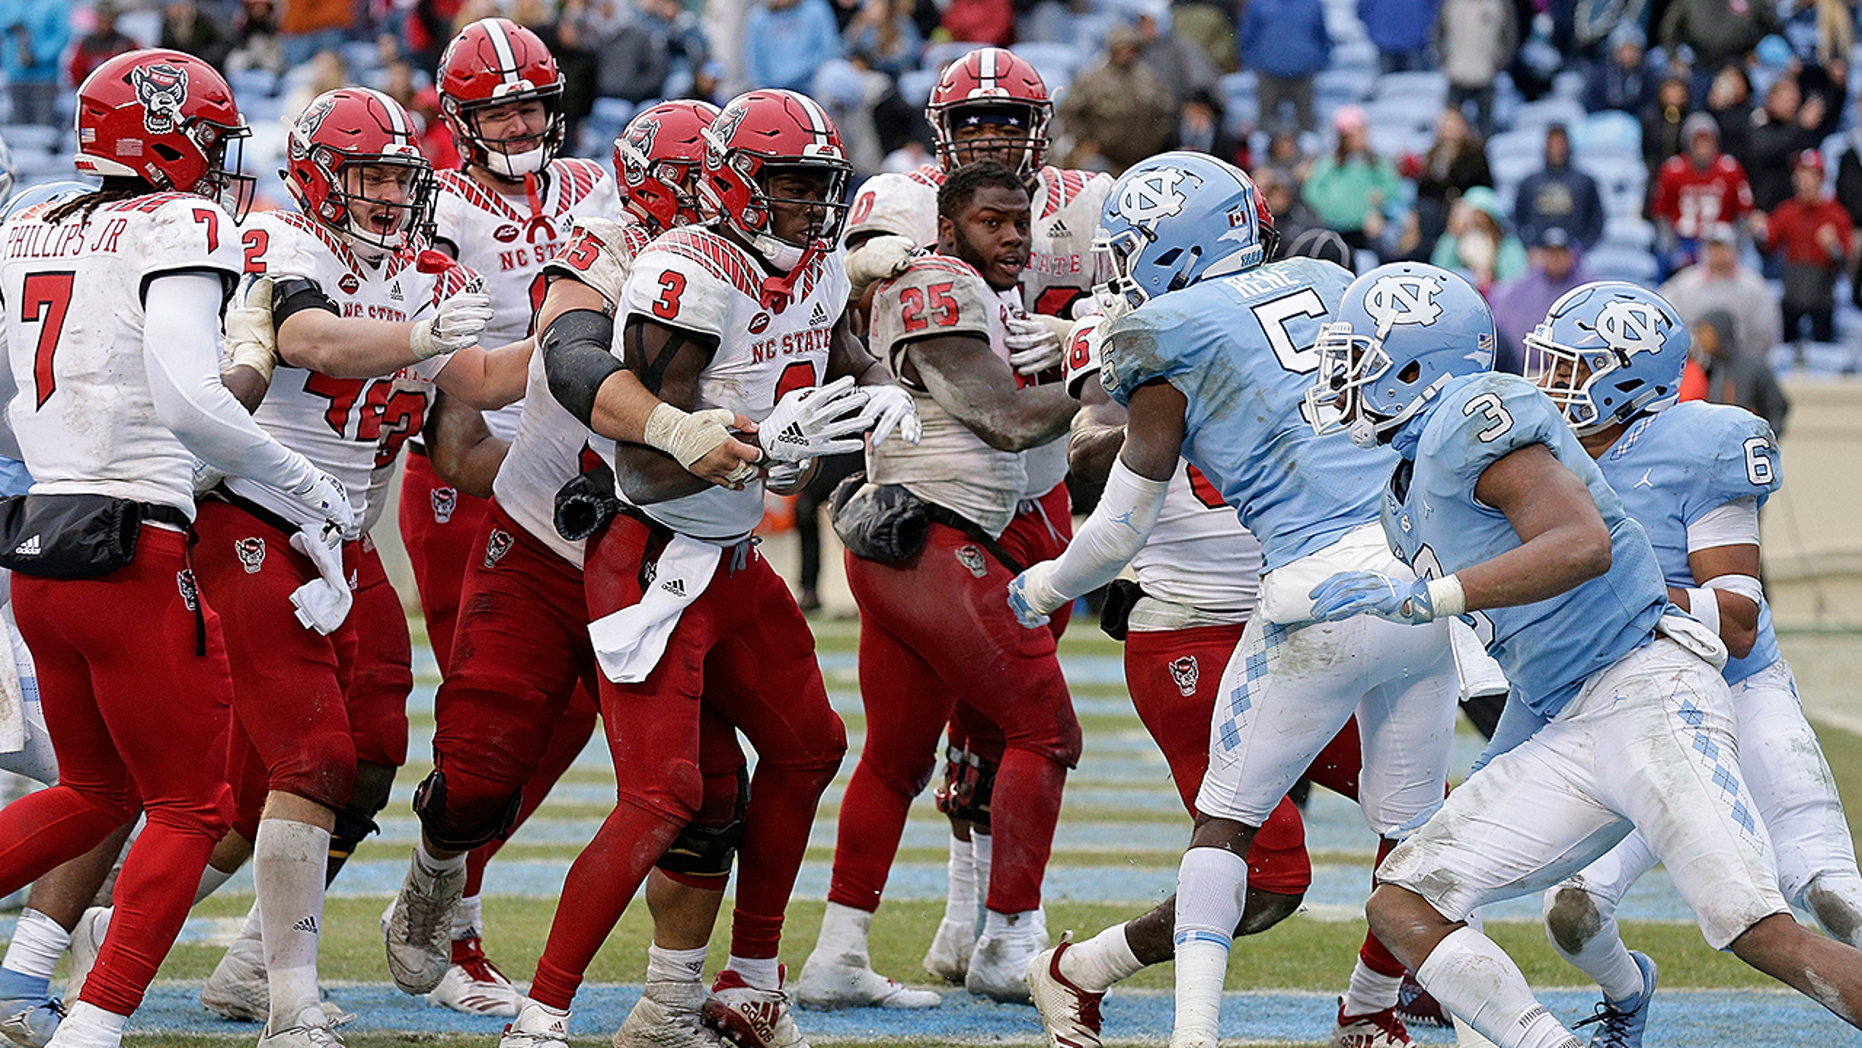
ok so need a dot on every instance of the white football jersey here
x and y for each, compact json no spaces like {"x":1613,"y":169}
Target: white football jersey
{"x":951,"y":466}
{"x":338,"y":422}
{"x":696,"y":280}
{"x":1199,"y":556}
{"x":73,"y":293}
{"x":507,"y":239}
{"x":551,"y":444}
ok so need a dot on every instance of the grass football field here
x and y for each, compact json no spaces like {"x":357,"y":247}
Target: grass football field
{"x":1121,"y":834}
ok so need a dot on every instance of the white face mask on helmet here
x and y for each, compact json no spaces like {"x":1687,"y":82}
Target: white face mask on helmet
{"x":516,"y":165}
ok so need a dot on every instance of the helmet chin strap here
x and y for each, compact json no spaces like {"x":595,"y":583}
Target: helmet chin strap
{"x":1363,"y":432}
{"x":515,"y":165}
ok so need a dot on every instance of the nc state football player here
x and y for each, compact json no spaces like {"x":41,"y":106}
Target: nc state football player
{"x":728,"y":326}
{"x":114,"y":348}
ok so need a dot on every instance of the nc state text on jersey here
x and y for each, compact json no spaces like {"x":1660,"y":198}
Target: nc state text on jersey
{"x":373,"y":312}
{"x":526,"y":257}
{"x":34,"y":240}
{"x":790,"y":344}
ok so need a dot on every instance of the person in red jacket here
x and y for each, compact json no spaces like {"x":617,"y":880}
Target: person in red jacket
{"x":1814,"y":237}
{"x":1693,"y":191}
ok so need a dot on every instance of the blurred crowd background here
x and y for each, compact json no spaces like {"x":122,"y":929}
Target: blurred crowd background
{"x":1708,"y":147}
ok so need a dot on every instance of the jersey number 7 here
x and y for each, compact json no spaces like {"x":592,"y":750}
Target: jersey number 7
{"x":47,"y":297}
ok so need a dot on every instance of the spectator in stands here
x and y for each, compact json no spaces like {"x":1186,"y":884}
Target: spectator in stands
{"x":255,"y":40}
{"x":786,"y":40}
{"x":1117,"y":112}
{"x":1286,"y":160}
{"x":1849,"y":195}
{"x":1350,"y":187}
{"x":1476,"y":241}
{"x":1785,"y":129}
{"x":1400,"y":29}
{"x":36,"y":34}
{"x":98,"y":46}
{"x":1731,"y":374}
{"x":186,"y":26}
{"x":1476,"y":39}
{"x":1291,"y":215}
{"x":1553,"y":267}
{"x":1694,"y":191}
{"x":883,"y":34}
{"x":980,"y":21}
{"x":1812,"y":235}
{"x":1455,"y":163}
{"x":328,"y":72}
{"x":430,"y":24}
{"x":1200,"y":128}
{"x":1662,"y":123}
{"x":1210,"y":27}
{"x":678,"y":32}
{"x":1559,"y":197}
{"x":630,"y":62}
{"x":1719,"y":31}
{"x":308,"y":26}
{"x":1180,"y":64}
{"x":1719,"y":281}
{"x":1286,"y":44}
{"x":1729,"y":101}
{"x":1623,"y":81}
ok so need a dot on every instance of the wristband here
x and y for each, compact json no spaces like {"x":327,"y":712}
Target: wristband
{"x":1704,"y":606}
{"x":1446,"y":597}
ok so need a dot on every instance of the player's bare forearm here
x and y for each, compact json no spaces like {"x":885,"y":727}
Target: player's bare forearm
{"x":487,"y":378}
{"x":565,"y":294}
{"x":1739,"y":615}
{"x":847,"y":355}
{"x":1563,"y":539}
{"x":1097,"y":434}
{"x":664,"y":365}
{"x":246,"y":384}
{"x":978,"y":389}
{"x":344,"y":347}
{"x":1154,"y":430}
{"x":647,"y":475}
{"x":462,"y":448}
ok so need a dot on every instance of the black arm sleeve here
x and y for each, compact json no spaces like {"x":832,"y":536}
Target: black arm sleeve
{"x":577,"y":359}
{"x":296,"y":294}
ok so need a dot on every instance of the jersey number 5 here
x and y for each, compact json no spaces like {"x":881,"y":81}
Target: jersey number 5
{"x":47,"y":298}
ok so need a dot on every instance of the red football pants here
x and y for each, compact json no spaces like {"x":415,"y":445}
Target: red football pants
{"x":442,"y":528}
{"x":383,"y":675}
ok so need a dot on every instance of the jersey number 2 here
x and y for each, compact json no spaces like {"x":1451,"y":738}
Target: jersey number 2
{"x":943,"y":307}
{"x":47,"y":299}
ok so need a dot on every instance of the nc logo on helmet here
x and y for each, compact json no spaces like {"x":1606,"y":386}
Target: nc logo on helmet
{"x":1403,"y":300}
{"x":161,"y":88}
{"x":1632,"y":327}
{"x":1152,"y":196}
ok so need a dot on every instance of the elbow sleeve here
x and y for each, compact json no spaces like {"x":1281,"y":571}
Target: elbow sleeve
{"x":577,"y":359}
{"x":1114,"y":534}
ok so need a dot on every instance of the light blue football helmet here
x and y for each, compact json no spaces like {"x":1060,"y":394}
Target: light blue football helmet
{"x":1399,"y":334}
{"x":1173,"y":220}
{"x":42,"y":192}
{"x":1607,"y":352}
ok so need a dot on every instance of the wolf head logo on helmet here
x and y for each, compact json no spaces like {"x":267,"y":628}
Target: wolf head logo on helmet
{"x":639,"y":136}
{"x":162,"y":90}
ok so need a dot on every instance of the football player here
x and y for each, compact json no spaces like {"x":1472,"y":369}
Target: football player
{"x":1694,"y":475}
{"x":353,"y":307}
{"x":727,"y":327}
{"x":941,"y":325}
{"x":115,"y":354}
{"x":1210,"y":350}
{"x":1505,"y":517}
{"x":990,"y":104}
{"x":503,"y":216}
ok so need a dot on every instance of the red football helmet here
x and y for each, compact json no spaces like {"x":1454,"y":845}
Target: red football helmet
{"x":991,"y":87}
{"x":764,"y":133}
{"x":658,"y":158}
{"x":164,"y":117}
{"x":342,"y":134}
{"x":491,"y":62}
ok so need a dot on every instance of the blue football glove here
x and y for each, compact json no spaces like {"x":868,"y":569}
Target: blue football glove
{"x":1351,"y":593}
{"x":1031,"y":597}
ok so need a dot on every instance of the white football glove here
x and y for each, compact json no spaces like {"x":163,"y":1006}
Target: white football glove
{"x":456,"y":323}
{"x":324,"y":495}
{"x":815,"y":421}
{"x":892,"y":408}
{"x":1036,"y":342}
{"x":251,"y":339}
{"x":1032,"y":597}
{"x":881,"y":258}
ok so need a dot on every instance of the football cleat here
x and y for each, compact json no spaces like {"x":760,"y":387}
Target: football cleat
{"x":418,"y":927}
{"x":1371,"y":1030}
{"x":29,"y":1022}
{"x":1069,"y":1014}
{"x":749,"y":1017}
{"x":1417,"y":1007}
{"x":314,"y":1033}
{"x":536,"y":1027}
{"x":999,"y":968}
{"x":474,"y":985}
{"x":86,"y":943}
{"x":949,"y":956}
{"x":667,"y":1016}
{"x":1621,"y":1025}
{"x":238,"y":989}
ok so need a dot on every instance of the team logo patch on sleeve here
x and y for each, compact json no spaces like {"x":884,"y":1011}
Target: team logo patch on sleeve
{"x":445,"y":500}
{"x":1185,"y":672}
{"x":497,"y":546}
{"x":251,"y":553}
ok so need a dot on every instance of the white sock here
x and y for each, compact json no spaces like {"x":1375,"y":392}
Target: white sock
{"x":1476,"y":980}
{"x":433,"y":866}
{"x":844,"y":930}
{"x":960,"y":903}
{"x":764,"y":973}
{"x":288,"y":863}
{"x":38,"y":943}
{"x":1211,"y":884}
{"x":1009,"y":925}
{"x":1604,"y":957}
{"x":469,"y":918}
{"x":1104,"y":959}
{"x":1202,"y":967}
{"x":210,"y":881}
{"x":982,"y":849}
{"x":88,"y":1026}
{"x":254,"y":928}
{"x":1370,"y":991}
{"x":665,"y":965}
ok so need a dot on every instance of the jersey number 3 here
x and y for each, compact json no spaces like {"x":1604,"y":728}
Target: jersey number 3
{"x":47,"y":297}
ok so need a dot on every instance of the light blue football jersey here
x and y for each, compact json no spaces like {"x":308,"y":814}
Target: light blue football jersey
{"x":1673,"y":467}
{"x":14,"y":480}
{"x":1240,"y":349}
{"x":1551,"y":647}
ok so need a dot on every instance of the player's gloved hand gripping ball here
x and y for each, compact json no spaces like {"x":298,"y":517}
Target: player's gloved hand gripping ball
{"x":1415,"y":602}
